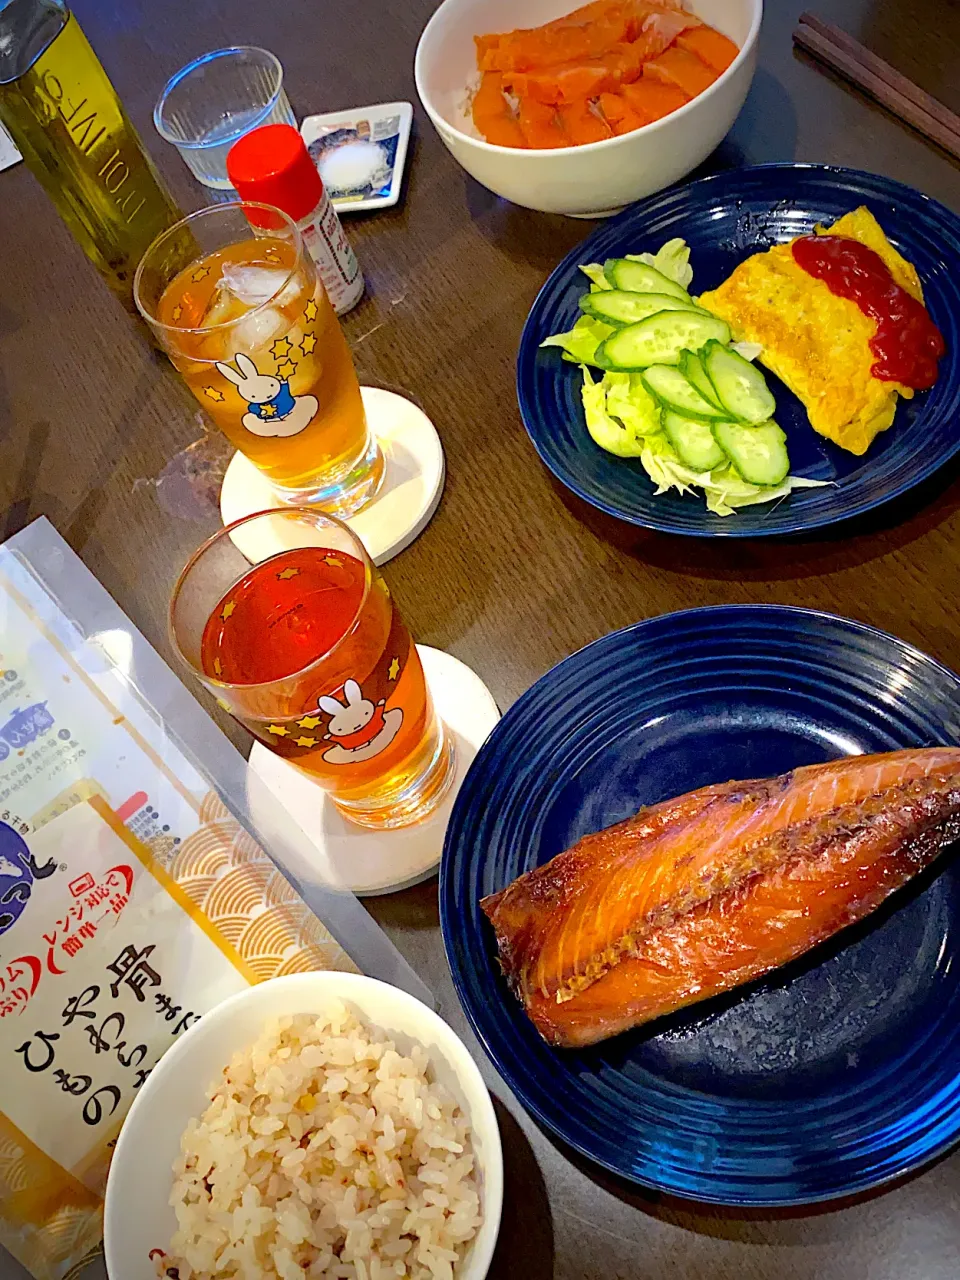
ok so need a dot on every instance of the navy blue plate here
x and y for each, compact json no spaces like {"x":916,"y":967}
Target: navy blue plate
{"x":725,"y":219}
{"x":835,"y":1074}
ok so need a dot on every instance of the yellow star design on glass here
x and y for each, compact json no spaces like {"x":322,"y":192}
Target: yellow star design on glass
{"x":306,"y":742}
{"x":217,"y":667}
{"x":394,"y":670}
{"x":333,"y":562}
{"x":287,"y":369}
{"x":309,"y":722}
{"x":277,"y":730}
{"x":282,"y":347}
{"x":307,"y":343}
{"x":228,"y":610}
{"x":177,"y":312}
{"x":287,"y":573}
{"x":214,"y":393}
{"x":268,"y":411}
{"x":200,"y":274}
{"x":310,"y":310}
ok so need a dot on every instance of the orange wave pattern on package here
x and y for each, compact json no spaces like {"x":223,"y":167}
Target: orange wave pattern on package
{"x":236,"y":886}
{"x":606,"y":69}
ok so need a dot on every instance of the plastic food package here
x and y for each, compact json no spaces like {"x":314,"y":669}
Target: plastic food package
{"x":135,"y":893}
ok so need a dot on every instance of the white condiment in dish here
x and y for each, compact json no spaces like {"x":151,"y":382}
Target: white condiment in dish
{"x":360,"y":153}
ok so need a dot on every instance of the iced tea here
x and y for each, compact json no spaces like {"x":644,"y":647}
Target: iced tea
{"x":250,"y":328}
{"x":308,"y":650}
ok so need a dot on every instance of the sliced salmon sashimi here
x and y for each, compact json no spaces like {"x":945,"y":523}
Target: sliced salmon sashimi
{"x":694,"y":896}
{"x":710,"y":45}
{"x":622,"y":63}
{"x":568,"y":82}
{"x":580,"y":123}
{"x":654,"y":99}
{"x":540,"y":125}
{"x":586,"y":33}
{"x":619,"y":114}
{"x":493,"y":115}
{"x":679,"y":67}
{"x":607,"y":68}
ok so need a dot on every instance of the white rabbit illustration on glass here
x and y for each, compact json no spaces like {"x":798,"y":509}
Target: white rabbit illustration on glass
{"x":272,"y":409}
{"x":358,"y":729}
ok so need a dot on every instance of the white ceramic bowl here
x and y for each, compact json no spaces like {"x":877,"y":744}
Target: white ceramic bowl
{"x":138,"y":1217}
{"x":597,"y":178}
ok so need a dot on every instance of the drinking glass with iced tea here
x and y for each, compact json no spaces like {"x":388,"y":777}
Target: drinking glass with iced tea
{"x":233,"y":296}
{"x":307,"y":649}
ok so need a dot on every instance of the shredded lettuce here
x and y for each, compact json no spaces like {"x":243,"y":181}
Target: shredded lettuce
{"x":749,"y":350}
{"x":671,"y":260}
{"x":724,"y":489}
{"x":580,"y":343}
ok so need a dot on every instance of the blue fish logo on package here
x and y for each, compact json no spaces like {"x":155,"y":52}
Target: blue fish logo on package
{"x":19,"y":872}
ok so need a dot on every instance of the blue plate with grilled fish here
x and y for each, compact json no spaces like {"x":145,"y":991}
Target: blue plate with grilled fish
{"x":831,"y":1075}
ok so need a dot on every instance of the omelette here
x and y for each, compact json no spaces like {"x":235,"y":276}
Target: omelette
{"x":816,"y":342}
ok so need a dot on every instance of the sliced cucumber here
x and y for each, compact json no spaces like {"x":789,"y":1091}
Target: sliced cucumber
{"x":617,"y":306}
{"x":758,"y":453}
{"x":691,"y":366}
{"x":694,"y":441}
{"x":639,"y":277}
{"x":672,"y":389}
{"x":659,"y":339}
{"x":740,"y":385}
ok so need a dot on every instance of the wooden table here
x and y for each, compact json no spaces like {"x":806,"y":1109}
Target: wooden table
{"x":513,"y":573}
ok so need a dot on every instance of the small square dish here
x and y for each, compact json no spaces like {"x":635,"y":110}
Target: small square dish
{"x":360,"y":153}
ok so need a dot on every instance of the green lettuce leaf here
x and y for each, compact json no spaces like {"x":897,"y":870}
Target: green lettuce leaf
{"x":608,"y":432}
{"x":580,"y":343}
{"x":594,"y":273}
{"x":671,"y":260}
{"x":725,"y":491}
{"x":630,"y":401}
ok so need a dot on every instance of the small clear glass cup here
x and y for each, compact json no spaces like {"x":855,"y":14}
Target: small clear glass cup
{"x":233,"y":296}
{"x":216,"y":99}
{"x":306,"y":648}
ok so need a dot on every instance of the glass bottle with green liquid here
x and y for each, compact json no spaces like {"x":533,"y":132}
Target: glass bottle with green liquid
{"x":64,"y":115}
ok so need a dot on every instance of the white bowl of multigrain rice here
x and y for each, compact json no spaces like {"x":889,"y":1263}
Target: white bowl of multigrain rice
{"x":424,"y":1108}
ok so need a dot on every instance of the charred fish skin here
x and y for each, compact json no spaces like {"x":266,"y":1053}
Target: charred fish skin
{"x":806,"y":854}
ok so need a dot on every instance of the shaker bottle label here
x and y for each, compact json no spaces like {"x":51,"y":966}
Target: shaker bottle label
{"x":336,"y":262}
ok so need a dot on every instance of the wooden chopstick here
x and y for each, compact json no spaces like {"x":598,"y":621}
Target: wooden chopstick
{"x":845,"y":55}
{"x":872,"y":63}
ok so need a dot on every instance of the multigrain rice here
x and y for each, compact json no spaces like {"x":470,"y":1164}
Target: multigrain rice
{"x":324,"y":1153}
